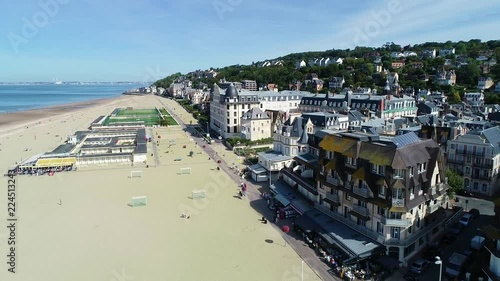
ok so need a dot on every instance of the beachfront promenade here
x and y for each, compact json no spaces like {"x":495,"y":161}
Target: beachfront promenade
{"x":218,"y":151}
{"x":95,"y":235}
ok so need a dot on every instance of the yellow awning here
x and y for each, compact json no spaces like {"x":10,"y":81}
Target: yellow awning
{"x":55,"y":162}
{"x":380,"y":181}
{"x":398,"y":209}
{"x":359,"y":174}
{"x":399,"y":184}
{"x":331,"y":165}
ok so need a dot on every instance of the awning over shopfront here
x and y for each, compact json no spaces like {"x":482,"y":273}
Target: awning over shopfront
{"x":283,"y":189}
{"x":301,"y":206}
{"x":356,"y":245}
{"x":284,"y":192}
{"x":282,"y":199}
{"x":306,"y":224}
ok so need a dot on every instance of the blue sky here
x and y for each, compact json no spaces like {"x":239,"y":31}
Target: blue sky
{"x":144,"y":40}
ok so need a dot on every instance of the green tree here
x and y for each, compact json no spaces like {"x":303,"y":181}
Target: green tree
{"x":491,"y":99}
{"x":468,"y":75}
{"x":455,"y":181}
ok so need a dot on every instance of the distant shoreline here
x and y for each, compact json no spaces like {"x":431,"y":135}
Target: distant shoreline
{"x":21,"y":119}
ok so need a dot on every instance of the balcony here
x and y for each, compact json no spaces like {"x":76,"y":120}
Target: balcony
{"x":306,"y":183}
{"x":396,"y":222}
{"x":364,"y":192}
{"x":432,"y":191}
{"x":333,"y":197}
{"x":400,"y":202}
{"x":432,"y":208}
{"x":332,"y":180}
{"x":361,"y":210}
{"x":351,"y":224}
{"x":440,"y":220}
{"x":454,"y":161}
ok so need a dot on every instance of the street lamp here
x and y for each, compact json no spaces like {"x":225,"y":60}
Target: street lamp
{"x":440,"y":262}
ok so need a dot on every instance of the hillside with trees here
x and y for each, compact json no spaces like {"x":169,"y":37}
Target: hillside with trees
{"x":359,"y":69}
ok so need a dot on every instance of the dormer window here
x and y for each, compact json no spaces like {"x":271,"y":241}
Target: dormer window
{"x":351,"y":161}
{"x":378,"y":169}
{"x":399,"y":174}
{"x":422,"y":167}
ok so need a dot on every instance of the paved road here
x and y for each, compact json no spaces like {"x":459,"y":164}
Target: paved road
{"x":155,"y":149}
{"x":485,"y":207}
{"x":462,"y":243}
{"x":228,"y":160}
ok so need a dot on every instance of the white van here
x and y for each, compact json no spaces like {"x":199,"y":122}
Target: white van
{"x":477,"y":242}
{"x":466,"y":219}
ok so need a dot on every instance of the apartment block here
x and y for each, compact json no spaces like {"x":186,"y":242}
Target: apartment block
{"x":390,"y":189}
{"x":476,"y":156}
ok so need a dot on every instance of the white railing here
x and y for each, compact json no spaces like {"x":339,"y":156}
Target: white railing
{"x":332,"y":180}
{"x":334,"y":197}
{"x":398,"y":202}
{"x":432,"y":208}
{"x":361,"y":210}
{"x":396,"y":222}
{"x":361,"y":191}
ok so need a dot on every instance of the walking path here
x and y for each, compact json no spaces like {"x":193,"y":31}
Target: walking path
{"x":155,"y":149}
{"x":217,"y":151}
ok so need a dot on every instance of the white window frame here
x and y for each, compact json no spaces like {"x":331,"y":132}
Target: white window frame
{"x":380,"y":228}
{"x":351,"y":161}
{"x":399,"y":174}
{"x":422,"y":167}
{"x":382,"y":190}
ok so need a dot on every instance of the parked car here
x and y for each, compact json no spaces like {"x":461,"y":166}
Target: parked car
{"x":477,"y":242}
{"x":419,"y":266}
{"x":465,"y":193}
{"x":474,"y":213}
{"x":466,"y":219}
{"x":456,"y":228}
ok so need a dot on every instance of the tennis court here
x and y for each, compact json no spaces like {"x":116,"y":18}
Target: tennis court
{"x":136,"y":112}
{"x":149,"y":116}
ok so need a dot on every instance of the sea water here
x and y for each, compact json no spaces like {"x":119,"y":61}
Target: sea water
{"x":24,"y":97}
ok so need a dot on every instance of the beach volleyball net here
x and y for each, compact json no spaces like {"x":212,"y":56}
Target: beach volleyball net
{"x":136,"y":174}
{"x":185,"y":171}
{"x":198,"y":194}
{"x":138,"y":201}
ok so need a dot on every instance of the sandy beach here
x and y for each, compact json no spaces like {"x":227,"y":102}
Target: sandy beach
{"x":78,"y":225}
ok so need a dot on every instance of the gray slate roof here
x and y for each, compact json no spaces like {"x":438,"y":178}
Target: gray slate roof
{"x":255,"y":114}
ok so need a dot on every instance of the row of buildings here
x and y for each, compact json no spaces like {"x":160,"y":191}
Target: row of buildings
{"x":389,"y":190}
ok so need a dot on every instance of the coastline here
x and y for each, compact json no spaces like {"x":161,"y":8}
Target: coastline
{"x":10,"y":121}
